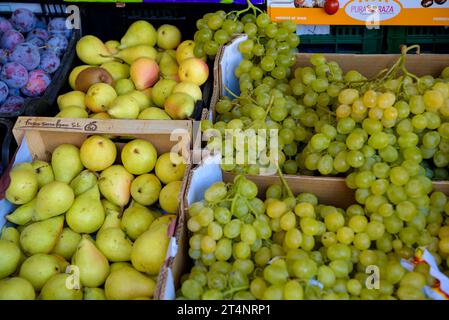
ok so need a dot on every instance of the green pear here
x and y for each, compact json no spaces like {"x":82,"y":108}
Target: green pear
{"x":170,"y":167}
{"x":119,"y":265}
{"x":142,"y":99}
{"x":124,"y":86}
{"x":16,"y":289}
{"x":127,"y":284}
{"x":136,"y":220}
{"x":169,"y":67}
{"x":145,"y":189}
{"x":129,"y":55}
{"x":98,"y":153}
{"x":115,"y":184}
{"x":23,"y":214}
{"x":140,"y":32}
{"x":43,"y":171}
{"x":109,"y":206}
{"x":72,"y":112}
{"x":150,"y":249}
{"x":168,"y":36}
{"x":10,"y":258}
{"x":93,"y":265}
{"x":112,"y":220}
{"x":38,"y":268}
{"x":161,"y":90}
{"x":94,"y":294}
{"x":52,"y":200}
{"x":117,"y":70}
{"x":66,"y":162}
{"x":153,"y":113}
{"x":114,"y":244}
{"x":56,"y":288}
{"x":124,"y":107}
{"x":83,"y":182}
{"x":63,"y":263}
{"x":86,"y":215}
{"x":23,"y":186}
{"x":139,"y":156}
{"x":10,"y":234}
{"x":71,"y":99}
{"x":41,"y":237}
{"x":92,"y":50}
{"x":67,"y":243}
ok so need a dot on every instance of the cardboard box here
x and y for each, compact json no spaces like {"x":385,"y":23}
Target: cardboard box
{"x":38,"y":137}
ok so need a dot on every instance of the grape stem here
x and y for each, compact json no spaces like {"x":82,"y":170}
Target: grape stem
{"x":237,"y":97}
{"x":236,"y":289}
{"x":284,"y":182}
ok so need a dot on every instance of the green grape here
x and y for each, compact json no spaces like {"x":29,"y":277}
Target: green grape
{"x":339,"y":251}
{"x":274,"y":292}
{"x":191,"y":289}
{"x":221,"y":37}
{"x":293,"y":290}
{"x":210,"y":48}
{"x":258,"y":287}
{"x":232,"y":229}
{"x":212,"y":294}
{"x":340,"y":268}
{"x":275,"y":274}
{"x":362,"y":241}
{"x":326,"y":276}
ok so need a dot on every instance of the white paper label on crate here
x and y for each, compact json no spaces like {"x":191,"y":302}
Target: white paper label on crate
{"x":169,"y":293}
{"x":230,"y":60}
{"x":172,"y":248}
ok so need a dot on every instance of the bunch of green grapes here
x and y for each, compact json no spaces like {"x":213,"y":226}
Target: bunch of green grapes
{"x":290,"y":247}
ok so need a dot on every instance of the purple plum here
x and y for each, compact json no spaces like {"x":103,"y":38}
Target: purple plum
{"x":12,"y":104}
{"x":26,"y":54}
{"x":41,"y":24}
{"x":14,"y":74}
{"x":49,"y":61}
{"x":23,"y":20}
{"x":57,"y":43}
{"x":5,"y":25}
{"x":38,"y":42}
{"x":10,"y":39}
{"x":58,"y":26}
{"x":4,"y":91}
{"x":4,"y":56}
{"x":38,"y":32}
{"x":37,"y":83}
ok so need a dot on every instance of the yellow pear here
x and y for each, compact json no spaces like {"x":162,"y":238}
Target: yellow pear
{"x":92,"y":51}
{"x":168,"y":67}
{"x":10,"y":234}
{"x":139,"y":156}
{"x":23,"y":185}
{"x":118,"y":265}
{"x":190,"y":88}
{"x":170,"y":167}
{"x":66,"y":162}
{"x":124,"y":86}
{"x":136,"y":220}
{"x":74,"y":74}
{"x":140,"y":32}
{"x":168,"y":36}
{"x":161,"y":90}
{"x":163,"y":220}
{"x":67,"y":243}
{"x":112,"y":220}
{"x":127,"y":284}
{"x":150,"y":249}
{"x":124,"y":107}
{"x":10,"y":258}
{"x":44,"y":172}
{"x":99,"y":97}
{"x":72,"y":99}
{"x":153,"y":113}
{"x":98,"y":153}
{"x":129,"y":55}
{"x":110,"y":207}
{"x":115,"y":185}
{"x":72,"y":113}
{"x":83,"y":182}
{"x":100,"y":115}
{"x":38,"y":268}
{"x":41,"y":237}
{"x":94,"y":294}
{"x":93,"y":265}
{"x":57,"y":288}
{"x":169,"y":196}
{"x":23,"y":214}
{"x":117,"y":70}
{"x":112,"y":46}
{"x":114,"y":244}
{"x":143,"y":101}
{"x":16,"y":289}
{"x":86,"y":215}
{"x":145,"y":189}
{"x":52,"y":200}
{"x":185,"y":50}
